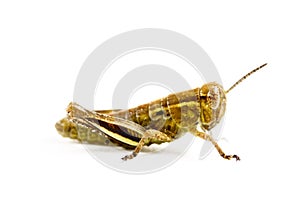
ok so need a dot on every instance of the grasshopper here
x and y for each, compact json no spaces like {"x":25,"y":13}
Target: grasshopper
{"x":159,"y":121}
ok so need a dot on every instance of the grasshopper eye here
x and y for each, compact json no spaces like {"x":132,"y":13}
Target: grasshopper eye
{"x":213,"y":97}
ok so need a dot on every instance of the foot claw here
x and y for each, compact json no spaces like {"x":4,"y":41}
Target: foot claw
{"x":237,"y":158}
{"x":128,"y":157}
{"x":229,"y":157}
{"x":125,"y":158}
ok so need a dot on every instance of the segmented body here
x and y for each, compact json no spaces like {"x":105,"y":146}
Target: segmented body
{"x":159,"y":121}
{"x":171,"y":115}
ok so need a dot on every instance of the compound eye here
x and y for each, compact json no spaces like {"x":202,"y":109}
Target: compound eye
{"x":213,"y":97}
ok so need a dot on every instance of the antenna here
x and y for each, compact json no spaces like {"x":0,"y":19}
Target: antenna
{"x":243,"y":78}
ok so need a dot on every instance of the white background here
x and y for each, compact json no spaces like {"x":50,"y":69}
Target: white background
{"x":43,"y":45}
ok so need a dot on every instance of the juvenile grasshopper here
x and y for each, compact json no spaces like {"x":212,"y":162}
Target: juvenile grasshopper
{"x":159,"y":121}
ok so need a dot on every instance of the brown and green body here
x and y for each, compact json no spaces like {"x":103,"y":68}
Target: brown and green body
{"x":168,"y":118}
{"x":172,"y":115}
{"x":159,"y":121}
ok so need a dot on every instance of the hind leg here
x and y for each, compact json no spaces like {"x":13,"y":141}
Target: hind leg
{"x":151,"y":136}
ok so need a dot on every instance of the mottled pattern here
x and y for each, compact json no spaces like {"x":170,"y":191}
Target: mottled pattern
{"x":159,"y":121}
{"x":68,"y":128}
{"x":169,"y":115}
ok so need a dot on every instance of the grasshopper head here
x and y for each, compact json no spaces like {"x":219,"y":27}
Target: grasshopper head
{"x":213,"y":101}
{"x":212,"y":105}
